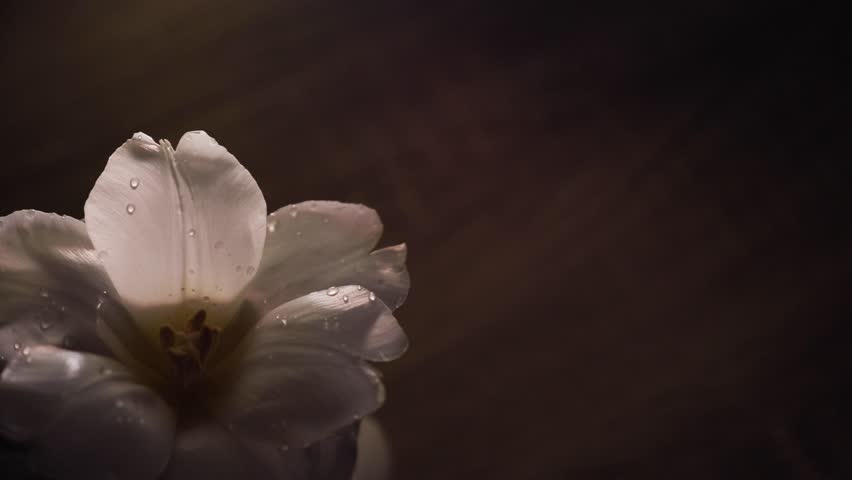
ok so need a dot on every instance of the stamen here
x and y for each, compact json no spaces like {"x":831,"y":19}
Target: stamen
{"x":188,"y":349}
{"x":197,"y":321}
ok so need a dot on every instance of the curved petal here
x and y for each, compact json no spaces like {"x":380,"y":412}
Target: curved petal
{"x":206,"y":449}
{"x":349,"y":319}
{"x":177,"y":227}
{"x":84,"y":416}
{"x":313,"y":245}
{"x":51,"y":282}
{"x":374,"y":459}
{"x":293,"y":393}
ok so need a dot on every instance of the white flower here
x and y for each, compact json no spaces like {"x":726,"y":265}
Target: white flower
{"x":180,"y":333}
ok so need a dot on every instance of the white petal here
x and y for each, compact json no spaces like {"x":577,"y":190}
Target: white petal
{"x":206,"y":449}
{"x":84,"y":416}
{"x":348,"y":319}
{"x":294,"y":393}
{"x":374,"y":460}
{"x":50,"y":283}
{"x":177,"y":225}
{"x":313,"y":245}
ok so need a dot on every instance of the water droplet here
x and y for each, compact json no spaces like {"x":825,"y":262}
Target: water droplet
{"x":206,"y":298}
{"x":249,"y":270}
{"x":239,"y":268}
{"x":372,"y":297}
{"x":16,"y":346}
{"x":30,"y":214}
{"x":356,"y":416}
{"x":324,"y":220}
{"x":104,"y":370}
{"x":284,"y":447}
{"x":44,"y":325}
{"x":332,"y":291}
{"x":102,"y":255}
{"x":293,"y":212}
{"x":43,"y":293}
{"x":131,"y":208}
{"x":283,"y":320}
{"x":298,"y":234}
{"x":25,"y":351}
{"x":359,"y":288}
{"x":270,"y":227}
{"x":218,"y":244}
{"x":134,"y":183}
{"x":191,"y":232}
{"x":119,"y":403}
{"x":346,"y":299}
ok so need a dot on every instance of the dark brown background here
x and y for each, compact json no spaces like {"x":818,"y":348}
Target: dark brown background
{"x":629,"y":245}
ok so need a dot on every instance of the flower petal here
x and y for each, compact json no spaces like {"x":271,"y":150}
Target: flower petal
{"x":374,"y":459}
{"x":84,"y":416}
{"x":50,"y":283}
{"x":314,"y":245}
{"x":349,"y":319}
{"x":177,"y":226}
{"x":293,"y":393}
{"x":206,"y":449}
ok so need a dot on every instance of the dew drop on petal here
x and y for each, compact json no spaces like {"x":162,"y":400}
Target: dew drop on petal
{"x":30,"y":214}
{"x":131,"y":209}
{"x":293,"y":212}
{"x":270,"y":227}
{"x":206,"y":298}
{"x":44,"y":325}
{"x":332,"y":291}
{"x":218,"y":245}
{"x":346,"y":299}
{"x":372,"y":297}
{"x":102,"y":255}
{"x":359,"y":288}
{"x":191,"y":232}
{"x":134,"y":183}
{"x":324,"y":220}
{"x":43,"y":293}
{"x":16,"y":346}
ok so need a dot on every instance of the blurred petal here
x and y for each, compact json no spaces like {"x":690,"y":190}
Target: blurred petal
{"x":314,"y":245}
{"x":50,"y":283}
{"x":374,"y":460}
{"x":84,"y":416}
{"x":206,"y":449}
{"x":177,"y":226}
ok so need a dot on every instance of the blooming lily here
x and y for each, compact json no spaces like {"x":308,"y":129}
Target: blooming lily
{"x":181,"y":333}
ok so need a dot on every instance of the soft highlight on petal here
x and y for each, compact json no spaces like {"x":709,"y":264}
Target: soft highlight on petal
{"x":313,"y":245}
{"x":177,"y":227}
{"x":50,"y":283}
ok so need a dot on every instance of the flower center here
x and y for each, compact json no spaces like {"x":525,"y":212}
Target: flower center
{"x":189,"y":349}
